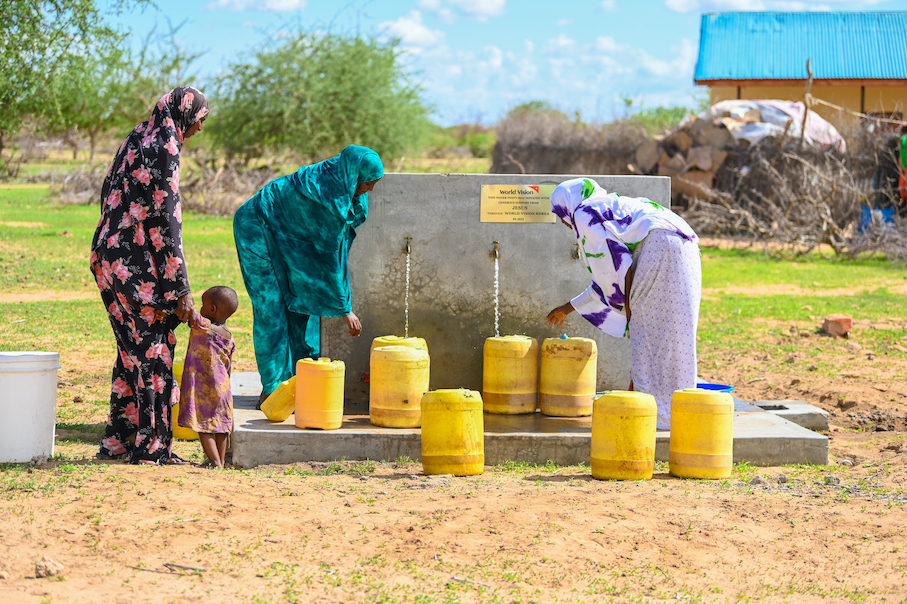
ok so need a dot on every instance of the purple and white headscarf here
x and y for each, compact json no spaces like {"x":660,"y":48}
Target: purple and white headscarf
{"x":608,"y":228}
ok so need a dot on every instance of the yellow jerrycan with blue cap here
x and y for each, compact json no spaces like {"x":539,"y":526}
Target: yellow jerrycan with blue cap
{"x":702,"y":434}
{"x":623,"y":436}
{"x":453,"y":432}
{"x":569,"y":372}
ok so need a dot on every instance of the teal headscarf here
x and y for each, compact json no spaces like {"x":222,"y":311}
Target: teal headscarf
{"x":311,"y":217}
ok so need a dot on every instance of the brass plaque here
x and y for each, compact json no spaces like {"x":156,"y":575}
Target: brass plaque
{"x":517,"y":203}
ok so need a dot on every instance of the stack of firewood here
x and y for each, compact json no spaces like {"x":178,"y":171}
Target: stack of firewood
{"x":690,"y":154}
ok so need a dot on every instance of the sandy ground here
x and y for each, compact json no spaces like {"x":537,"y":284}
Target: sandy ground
{"x":387,"y":533}
{"x":384,"y":532}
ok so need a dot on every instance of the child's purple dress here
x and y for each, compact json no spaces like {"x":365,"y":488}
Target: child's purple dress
{"x":206,"y":401}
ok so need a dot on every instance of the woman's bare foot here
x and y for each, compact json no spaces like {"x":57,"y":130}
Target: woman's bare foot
{"x":261,"y":399}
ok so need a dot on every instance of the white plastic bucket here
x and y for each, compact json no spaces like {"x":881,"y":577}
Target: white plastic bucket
{"x":28,"y":405}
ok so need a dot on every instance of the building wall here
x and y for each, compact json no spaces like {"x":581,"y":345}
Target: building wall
{"x":451,"y":298}
{"x":885,"y":99}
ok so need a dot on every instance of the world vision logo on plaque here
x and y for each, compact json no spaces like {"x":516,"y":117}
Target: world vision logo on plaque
{"x":517,"y":203}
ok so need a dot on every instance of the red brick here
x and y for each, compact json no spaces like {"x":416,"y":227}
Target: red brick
{"x":838,"y":325}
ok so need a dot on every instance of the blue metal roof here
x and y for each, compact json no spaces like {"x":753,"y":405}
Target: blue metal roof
{"x":774,"y":46}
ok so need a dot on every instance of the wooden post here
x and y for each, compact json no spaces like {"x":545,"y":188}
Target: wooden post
{"x":806,"y":99}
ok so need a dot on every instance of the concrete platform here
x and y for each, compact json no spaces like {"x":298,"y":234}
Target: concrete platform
{"x":761,"y":438}
{"x":799,"y":412}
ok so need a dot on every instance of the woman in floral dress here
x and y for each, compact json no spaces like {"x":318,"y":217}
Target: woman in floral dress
{"x":137,"y":260}
{"x":643,"y":257}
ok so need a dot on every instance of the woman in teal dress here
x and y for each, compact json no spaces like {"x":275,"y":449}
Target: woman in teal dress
{"x":293,"y":238}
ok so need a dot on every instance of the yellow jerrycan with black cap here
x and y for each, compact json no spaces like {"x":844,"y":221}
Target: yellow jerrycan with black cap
{"x":623,"y":436}
{"x":453,"y":432}
{"x":510,"y":375}
{"x":702,"y":434}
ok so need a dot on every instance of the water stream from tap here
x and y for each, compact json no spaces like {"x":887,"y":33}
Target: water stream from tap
{"x":406,"y":299}
{"x":497,"y":310}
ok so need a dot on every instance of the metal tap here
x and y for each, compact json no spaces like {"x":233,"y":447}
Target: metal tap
{"x":407,"y":248}
{"x":496,"y":252}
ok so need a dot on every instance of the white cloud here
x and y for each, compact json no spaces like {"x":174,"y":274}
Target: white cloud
{"x":524,"y":69}
{"x":495,"y":57}
{"x":617,"y":57}
{"x":480,"y":10}
{"x":274,"y":6}
{"x":414,"y":35}
{"x":609,"y":5}
{"x":436,"y":6}
{"x":706,"y":6}
{"x":559,"y":44}
{"x":564,"y":22}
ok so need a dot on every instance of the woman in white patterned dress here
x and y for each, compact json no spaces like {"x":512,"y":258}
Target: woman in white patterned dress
{"x":643,"y":257}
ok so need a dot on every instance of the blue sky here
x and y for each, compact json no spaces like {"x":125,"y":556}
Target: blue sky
{"x":475,"y":59}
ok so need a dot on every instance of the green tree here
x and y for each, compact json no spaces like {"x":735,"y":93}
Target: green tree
{"x":106,"y":87}
{"x":537,"y":107}
{"x":313,"y":93}
{"x":37,"y":38}
{"x":91,"y":90}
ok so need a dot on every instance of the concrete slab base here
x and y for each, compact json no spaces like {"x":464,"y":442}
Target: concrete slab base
{"x":799,"y":412}
{"x":760,"y":438}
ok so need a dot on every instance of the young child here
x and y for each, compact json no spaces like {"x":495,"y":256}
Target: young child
{"x":206,"y":402}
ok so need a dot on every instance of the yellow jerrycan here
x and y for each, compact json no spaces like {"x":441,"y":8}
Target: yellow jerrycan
{"x":319,"y":393}
{"x":569,"y":371}
{"x":412,"y":342}
{"x":179,"y":432}
{"x":453,"y":432}
{"x":510,"y":375}
{"x":399,"y":378}
{"x":281,"y":403}
{"x":623,"y":436}
{"x":702,"y":434}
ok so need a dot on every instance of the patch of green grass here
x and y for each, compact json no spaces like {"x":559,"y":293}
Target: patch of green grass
{"x":354,"y":468}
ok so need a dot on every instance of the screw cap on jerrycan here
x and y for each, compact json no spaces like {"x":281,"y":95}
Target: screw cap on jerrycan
{"x":319,"y":393}
{"x":510,"y":375}
{"x":453,"y":432}
{"x":623,"y":436}
{"x":702,"y":434}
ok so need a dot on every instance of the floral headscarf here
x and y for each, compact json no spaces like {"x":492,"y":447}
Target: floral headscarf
{"x":185,"y":105}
